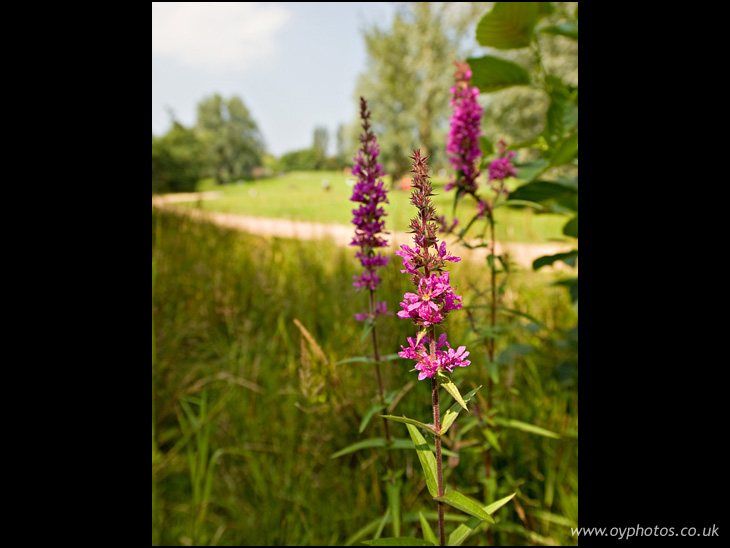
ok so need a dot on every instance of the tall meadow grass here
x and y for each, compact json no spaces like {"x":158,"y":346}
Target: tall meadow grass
{"x":248,"y":404}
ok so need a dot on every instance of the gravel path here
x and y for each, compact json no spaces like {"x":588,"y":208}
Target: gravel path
{"x":521,"y":253}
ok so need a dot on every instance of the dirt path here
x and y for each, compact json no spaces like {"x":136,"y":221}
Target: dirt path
{"x":521,"y":253}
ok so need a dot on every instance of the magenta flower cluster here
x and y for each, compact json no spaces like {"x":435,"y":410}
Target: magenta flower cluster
{"x":415,"y":258}
{"x":434,"y":297}
{"x":368,"y":217}
{"x":379,"y":309}
{"x":462,"y":142}
{"x":502,"y":168}
{"x":428,"y":365}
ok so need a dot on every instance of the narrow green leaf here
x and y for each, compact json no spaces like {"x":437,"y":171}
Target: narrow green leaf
{"x":458,"y":194}
{"x":420,"y":336}
{"x":521,"y":314}
{"x":446,"y":382}
{"x":369,"y":415}
{"x":406,"y":420}
{"x":404,"y":444}
{"x":393,"y":492}
{"x":509,"y":25}
{"x":554,"y":518}
{"x":520,"y":203}
{"x":462,"y":532}
{"x":492,"y":439}
{"x":356,"y":359}
{"x":568,"y":258}
{"x":371,"y":443}
{"x":427,"y":458}
{"x":367,"y":328}
{"x":381,"y":525}
{"x":465,"y":504}
{"x":464,"y":230}
{"x":428,"y":535}
{"x":396,"y":444}
{"x":469,"y":246}
{"x":362,"y":532}
{"x":525,"y":427}
{"x":492,"y":508}
{"x":369,"y":359}
{"x":397,"y":541}
{"x":357,"y":446}
{"x":408,"y":517}
{"x":453,"y":412}
{"x":492,"y":74}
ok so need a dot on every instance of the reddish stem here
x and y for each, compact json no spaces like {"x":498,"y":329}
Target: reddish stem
{"x":376,"y":357}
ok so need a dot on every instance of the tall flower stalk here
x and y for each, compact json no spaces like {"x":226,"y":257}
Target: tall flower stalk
{"x":428,"y":307}
{"x":462,"y":142}
{"x":464,"y":152}
{"x":370,"y":192}
{"x":435,"y":359}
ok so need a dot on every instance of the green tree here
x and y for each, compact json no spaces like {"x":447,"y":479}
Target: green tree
{"x":231,"y":139}
{"x":319,"y":147}
{"x":408,"y":76}
{"x":177,"y":160}
{"x":298,"y":160}
{"x":341,"y":158}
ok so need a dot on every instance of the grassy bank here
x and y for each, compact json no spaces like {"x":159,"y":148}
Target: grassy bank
{"x":248,"y":408}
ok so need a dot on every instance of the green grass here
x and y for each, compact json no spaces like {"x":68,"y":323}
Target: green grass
{"x":300,"y":196}
{"x":246,"y":413}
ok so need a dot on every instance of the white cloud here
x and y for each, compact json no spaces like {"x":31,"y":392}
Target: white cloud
{"x":217,"y":35}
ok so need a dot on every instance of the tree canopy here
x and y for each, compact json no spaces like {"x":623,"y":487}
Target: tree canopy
{"x":231,"y":140}
{"x":408,"y":76}
{"x":177,"y":160}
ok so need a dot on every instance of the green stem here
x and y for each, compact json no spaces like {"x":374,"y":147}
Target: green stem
{"x":437,"y":426}
{"x":376,"y":357}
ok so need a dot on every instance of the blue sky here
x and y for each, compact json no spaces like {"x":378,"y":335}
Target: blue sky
{"x":294,"y":64}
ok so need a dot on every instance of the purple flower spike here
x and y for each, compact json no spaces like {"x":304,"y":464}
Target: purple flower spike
{"x":367,"y":218}
{"x":462,"y":142}
{"x":434,"y":297}
{"x":501,"y":168}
